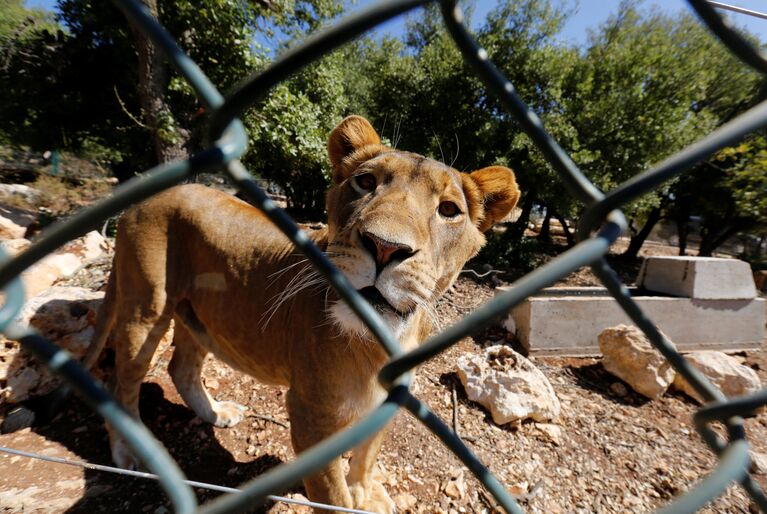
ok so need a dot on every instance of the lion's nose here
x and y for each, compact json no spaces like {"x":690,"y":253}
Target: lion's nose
{"x":384,"y":251}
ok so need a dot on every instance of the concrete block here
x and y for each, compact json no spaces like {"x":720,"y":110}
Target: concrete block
{"x":568,"y":320}
{"x":708,"y":278}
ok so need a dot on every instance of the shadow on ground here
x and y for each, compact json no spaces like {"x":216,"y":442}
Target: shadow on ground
{"x":191,"y":442}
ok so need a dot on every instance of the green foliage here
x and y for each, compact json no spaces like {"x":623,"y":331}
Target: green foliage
{"x":77,"y":88}
{"x":745,"y":177}
{"x":728,"y":193}
{"x":289,"y":128}
{"x":521,"y":255}
{"x":644,"y":86}
{"x":647,"y":86}
{"x":18,"y":23}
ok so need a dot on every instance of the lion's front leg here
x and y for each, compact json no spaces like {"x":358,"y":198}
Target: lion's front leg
{"x":368,"y":493}
{"x":309,"y":425}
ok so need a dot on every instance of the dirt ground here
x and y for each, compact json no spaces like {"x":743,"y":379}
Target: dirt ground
{"x":615,"y":453}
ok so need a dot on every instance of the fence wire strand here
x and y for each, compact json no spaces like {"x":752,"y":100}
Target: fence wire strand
{"x":601,"y":225}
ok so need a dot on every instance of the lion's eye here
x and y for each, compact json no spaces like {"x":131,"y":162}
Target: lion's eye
{"x":365,"y":181}
{"x":449,"y":209}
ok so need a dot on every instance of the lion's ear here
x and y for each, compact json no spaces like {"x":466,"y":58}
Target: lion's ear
{"x":499,"y":194}
{"x":353,"y":133}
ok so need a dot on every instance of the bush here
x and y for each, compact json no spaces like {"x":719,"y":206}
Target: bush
{"x":522,"y":255}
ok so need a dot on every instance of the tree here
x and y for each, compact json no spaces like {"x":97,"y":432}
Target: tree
{"x":18,"y":22}
{"x":169,"y":138}
{"x":648,"y":85}
{"x":728,"y":193}
{"x":20,"y":28}
{"x":79,"y":88}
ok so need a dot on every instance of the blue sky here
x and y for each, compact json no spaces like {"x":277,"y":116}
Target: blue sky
{"x":589,"y":14}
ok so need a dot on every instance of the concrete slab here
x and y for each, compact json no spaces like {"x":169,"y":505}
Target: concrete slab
{"x":567,"y":321}
{"x":709,"y":278}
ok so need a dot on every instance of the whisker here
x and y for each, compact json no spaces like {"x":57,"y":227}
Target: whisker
{"x":441,"y":153}
{"x":430,"y":311}
{"x":297,"y":284}
{"x":457,"y":149}
{"x":277,"y":274}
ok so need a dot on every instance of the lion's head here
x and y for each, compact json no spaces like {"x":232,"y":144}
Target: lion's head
{"x":401,"y":226}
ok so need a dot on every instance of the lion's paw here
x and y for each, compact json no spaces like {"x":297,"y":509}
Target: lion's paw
{"x":374,"y":498}
{"x":123,"y":457}
{"x":228,"y":414}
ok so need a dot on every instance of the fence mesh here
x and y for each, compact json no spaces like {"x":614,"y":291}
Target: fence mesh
{"x":601,"y":225}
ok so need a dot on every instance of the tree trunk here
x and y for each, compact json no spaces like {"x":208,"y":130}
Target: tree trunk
{"x":568,"y":235}
{"x":516,"y":230}
{"x":169,"y":138}
{"x":545,"y":233}
{"x":682,"y":231}
{"x":710,"y":243}
{"x":638,"y":239}
{"x":759,"y":250}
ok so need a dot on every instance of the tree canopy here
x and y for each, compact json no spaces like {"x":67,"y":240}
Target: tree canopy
{"x":645,"y":85}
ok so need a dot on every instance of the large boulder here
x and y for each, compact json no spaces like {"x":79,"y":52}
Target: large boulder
{"x":21,"y":217}
{"x":13,"y":192}
{"x":65,"y":316}
{"x":508,"y":385}
{"x":630,"y":356}
{"x":10,"y":229}
{"x":63,"y":263}
{"x":725,"y":372}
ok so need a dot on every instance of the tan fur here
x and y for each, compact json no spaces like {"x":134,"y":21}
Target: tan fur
{"x":235,"y":286}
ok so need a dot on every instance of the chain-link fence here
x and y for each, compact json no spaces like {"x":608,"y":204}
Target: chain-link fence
{"x":601,"y":225}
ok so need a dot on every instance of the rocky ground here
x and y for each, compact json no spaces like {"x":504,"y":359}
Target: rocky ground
{"x":614,"y":450}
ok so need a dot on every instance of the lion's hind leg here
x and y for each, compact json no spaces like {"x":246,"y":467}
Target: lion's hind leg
{"x":185,"y":369}
{"x":138,"y":335}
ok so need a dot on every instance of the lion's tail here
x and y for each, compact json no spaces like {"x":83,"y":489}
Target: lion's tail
{"x":104,"y":322}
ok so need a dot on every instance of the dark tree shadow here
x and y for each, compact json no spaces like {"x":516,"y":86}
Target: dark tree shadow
{"x":595,"y":378}
{"x":190,"y":441}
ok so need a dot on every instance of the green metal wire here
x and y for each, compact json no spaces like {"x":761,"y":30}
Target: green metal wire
{"x":229,"y":142}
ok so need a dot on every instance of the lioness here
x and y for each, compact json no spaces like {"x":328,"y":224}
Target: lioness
{"x":400,"y":226}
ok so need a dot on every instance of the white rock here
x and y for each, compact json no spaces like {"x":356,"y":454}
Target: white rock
{"x":551,"y":432}
{"x":456,"y":489}
{"x":61,"y":310}
{"x":758,"y":462}
{"x":91,"y":246}
{"x":405,"y":502}
{"x":36,"y":499}
{"x":292,"y":508}
{"x":24,"y":192}
{"x":725,"y":372}
{"x":21,"y":217}
{"x":14,"y":247}
{"x":509,"y":385}
{"x":48,"y":271}
{"x":60,"y":264}
{"x":64,"y":315}
{"x":631,"y":357}
{"x":20,"y":381}
{"x":10,"y":230}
